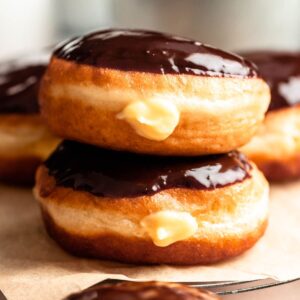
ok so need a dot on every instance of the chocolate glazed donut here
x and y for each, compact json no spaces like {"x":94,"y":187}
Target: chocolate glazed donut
{"x":143,"y":290}
{"x":276,"y":147}
{"x":25,"y":140}
{"x":149,"y":209}
{"x":154,"y":93}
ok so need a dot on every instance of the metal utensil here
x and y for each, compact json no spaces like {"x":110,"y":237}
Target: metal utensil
{"x":224,"y":287}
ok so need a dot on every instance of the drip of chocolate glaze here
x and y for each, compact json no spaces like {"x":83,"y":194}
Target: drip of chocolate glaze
{"x":281,"y":70}
{"x":121,"y":174}
{"x":19,"y":85}
{"x":154,"y":52}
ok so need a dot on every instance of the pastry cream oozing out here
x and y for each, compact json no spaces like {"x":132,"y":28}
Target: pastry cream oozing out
{"x":154,"y":119}
{"x":168,"y":227}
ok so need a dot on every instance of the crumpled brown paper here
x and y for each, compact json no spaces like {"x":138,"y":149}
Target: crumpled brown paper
{"x":33,"y":267}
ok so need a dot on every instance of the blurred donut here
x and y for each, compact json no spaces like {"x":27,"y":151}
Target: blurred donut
{"x":149,"y":92}
{"x":276,"y":146}
{"x":25,"y":140}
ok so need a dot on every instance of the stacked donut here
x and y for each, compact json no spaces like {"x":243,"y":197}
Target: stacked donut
{"x":25,"y":140}
{"x":148,"y":172}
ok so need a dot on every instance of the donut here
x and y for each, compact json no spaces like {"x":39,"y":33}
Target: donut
{"x":25,"y":140}
{"x":276,"y":146}
{"x":143,"y":290}
{"x":150,"y":92}
{"x":151,"y":209}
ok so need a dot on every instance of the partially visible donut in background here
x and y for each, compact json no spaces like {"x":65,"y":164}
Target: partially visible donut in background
{"x":276,"y":146}
{"x":149,"y":92}
{"x":25,"y":139}
{"x":143,"y":291}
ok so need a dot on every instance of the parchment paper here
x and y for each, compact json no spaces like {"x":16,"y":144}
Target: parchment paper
{"x":33,"y":267}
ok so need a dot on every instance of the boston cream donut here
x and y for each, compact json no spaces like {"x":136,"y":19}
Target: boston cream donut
{"x":149,"y":92}
{"x":143,"y":291}
{"x":276,"y":147}
{"x":150,"y":209}
{"x":25,"y":140}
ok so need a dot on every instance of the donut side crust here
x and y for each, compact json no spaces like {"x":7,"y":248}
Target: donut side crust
{"x":217,"y":115}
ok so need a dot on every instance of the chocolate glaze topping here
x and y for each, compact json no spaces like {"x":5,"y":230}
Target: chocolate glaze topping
{"x":154,"y":52}
{"x":121,"y":174}
{"x":141,"y":291}
{"x":281,"y":70}
{"x":19,"y":84}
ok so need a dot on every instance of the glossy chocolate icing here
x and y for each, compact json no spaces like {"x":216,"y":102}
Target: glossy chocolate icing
{"x":154,"y":52}
{"x":281,"y":70}
{"x":121,"y":174}
{"x":141,"y":291}
{"x":19,"y":84}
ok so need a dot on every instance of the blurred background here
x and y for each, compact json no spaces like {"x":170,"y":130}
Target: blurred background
{"x":27,"y":25}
